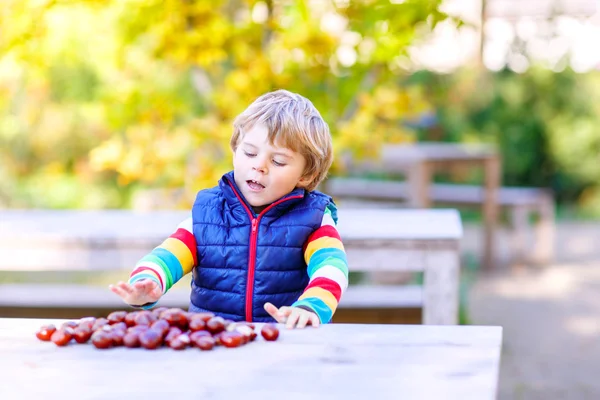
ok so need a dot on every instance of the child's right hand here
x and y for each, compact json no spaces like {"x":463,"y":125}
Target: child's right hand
{"x":139,"y":293}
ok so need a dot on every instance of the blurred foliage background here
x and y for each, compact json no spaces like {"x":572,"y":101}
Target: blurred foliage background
{"x":101,"y":100}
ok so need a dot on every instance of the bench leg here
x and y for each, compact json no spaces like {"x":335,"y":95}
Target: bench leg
{"x":518,"y":239}
{"x":543,"y":250}
{"x":440,"y":287}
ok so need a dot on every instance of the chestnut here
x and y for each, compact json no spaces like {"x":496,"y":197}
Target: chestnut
{"x":158,"y":310}
{"x":99,"y":323}
{"x":144,"y":318}
{"x":131,"y":339}
{"x":130,"y":318}
{"x":137,"y":329}
{"x":87,"y":322}
{"x":172,"y":334}
{"x":204,"y":316}
{"x":82,"y":334}
{"x":204,"y":343}
{"x":117,"y":336}
{"x":69,"y":324}
{"x":215,"y":325}
{"x":198,"y":334}
{"x":197,"y":324}
{"x":151,"y":339}
{"x":62,"y":336}
{"x":232,"y":339}
{"x":269,"y":332}
{"x":180,"y":342}
{"x":175,"y":317}
{"x":45,"y":332}
{"x":161,"y":325}
{"x":102,"y":339}
{"x":116,"y":316}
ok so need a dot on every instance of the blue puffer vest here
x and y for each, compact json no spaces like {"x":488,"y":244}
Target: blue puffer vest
{"x":246,"y":260}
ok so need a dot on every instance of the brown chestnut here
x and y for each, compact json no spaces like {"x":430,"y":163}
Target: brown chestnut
{"x":45,"y":332}
{"x":198,"y":334}
{"x":62,"y":336}
{"x":172,"y":334}
{"x":232,"y":339}
{"x":102,"y":339}
{"x":144,"y":318}
{"x":70,"y":324}
{"x":175,"y":317}
{"x":269,"y":332}
{"x":151,"y":339}
{"x":204,"y":343}
{"x":205,"y":316}
{"x":161,"y":325}
{"x":87,"y":322}
{"x":99,"y":323}
{"x":131,"y":339}
{"x":82,"y":334}
{"x":130,"y":318}
{"x":197,"y":324}
{"x":158,"y":310}
{"x":215,"y":325}
{"x":116,"y":316}
{"x":180,"y":342}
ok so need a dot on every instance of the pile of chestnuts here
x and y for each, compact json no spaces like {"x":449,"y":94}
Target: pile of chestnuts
{"x":171,"y":327}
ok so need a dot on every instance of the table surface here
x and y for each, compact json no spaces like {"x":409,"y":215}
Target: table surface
{"x":336,"y":361}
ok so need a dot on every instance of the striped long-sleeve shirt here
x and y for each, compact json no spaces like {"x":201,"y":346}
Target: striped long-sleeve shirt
{"x":324,"y":254}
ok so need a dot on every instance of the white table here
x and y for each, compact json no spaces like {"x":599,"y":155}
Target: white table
{"x":335,"y":361}
{"x":374,"y":239}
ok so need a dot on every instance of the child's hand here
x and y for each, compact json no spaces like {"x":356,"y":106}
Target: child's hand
{"x":293,"y":317}
{"x":139,"y":293}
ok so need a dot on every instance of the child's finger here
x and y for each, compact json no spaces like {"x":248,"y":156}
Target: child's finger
{"x":125,"y":287}
{"x":314,"y":320}
{"x":118,"y":291}
{"x":303,"y":320}
{"x":292,"y":319}
{"x":285,"y":311}
{"x":273,"y":311}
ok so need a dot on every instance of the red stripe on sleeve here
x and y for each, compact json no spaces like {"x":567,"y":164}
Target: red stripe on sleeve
{"x":327,"y":284}
{"x":140,"y":269}
{"x":189,"y":240}
{"x":326,"y":230}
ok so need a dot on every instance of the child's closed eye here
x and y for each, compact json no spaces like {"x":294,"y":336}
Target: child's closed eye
{"x":249,"y":154}
{"x":278,"y":164}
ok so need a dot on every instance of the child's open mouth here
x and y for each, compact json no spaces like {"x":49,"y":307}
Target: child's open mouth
{"x":254,"y":186}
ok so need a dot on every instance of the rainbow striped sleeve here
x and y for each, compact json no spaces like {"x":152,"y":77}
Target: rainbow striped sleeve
{"x":327,"y":268}
{"x":169,"y":262}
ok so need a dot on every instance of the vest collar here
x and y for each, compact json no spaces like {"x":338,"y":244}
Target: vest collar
{"x":236,"y":201}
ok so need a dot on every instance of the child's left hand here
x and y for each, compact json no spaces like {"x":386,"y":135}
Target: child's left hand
{"x":293,"y":317}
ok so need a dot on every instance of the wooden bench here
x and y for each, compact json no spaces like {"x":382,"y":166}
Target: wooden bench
{"x":375,"y":240}
{"x":520,"y":203}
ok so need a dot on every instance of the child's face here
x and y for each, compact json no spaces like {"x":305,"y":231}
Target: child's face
{"x":265,"y":172}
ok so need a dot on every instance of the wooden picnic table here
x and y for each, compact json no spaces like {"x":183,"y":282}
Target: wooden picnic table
{"x":418,"y":162}
{"x":335,"y":361}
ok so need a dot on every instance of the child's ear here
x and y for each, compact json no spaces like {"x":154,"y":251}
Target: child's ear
{"x":305,"y":181}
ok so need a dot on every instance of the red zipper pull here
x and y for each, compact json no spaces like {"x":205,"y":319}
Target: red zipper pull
{"x":253,"y":225}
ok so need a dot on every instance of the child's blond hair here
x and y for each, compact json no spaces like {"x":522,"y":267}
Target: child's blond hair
{"x":293,"y":122}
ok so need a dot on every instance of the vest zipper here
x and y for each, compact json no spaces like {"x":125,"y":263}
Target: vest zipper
{"x":253,"y":242}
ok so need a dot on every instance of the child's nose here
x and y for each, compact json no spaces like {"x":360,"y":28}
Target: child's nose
{"x":260,"y":165}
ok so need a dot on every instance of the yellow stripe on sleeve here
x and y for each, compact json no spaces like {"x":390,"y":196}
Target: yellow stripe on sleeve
{"x":322,"y":243}
{"x":325,"y":295}
{"x":181,"y":251}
